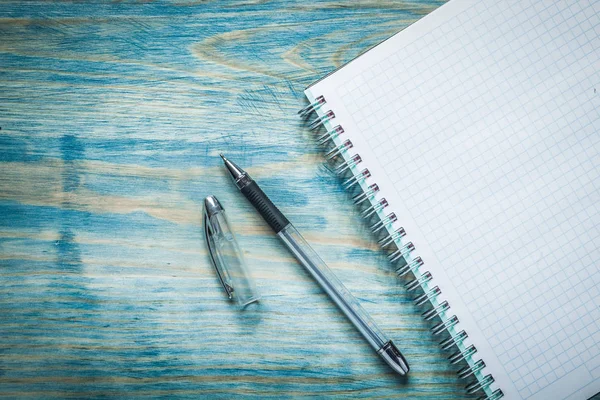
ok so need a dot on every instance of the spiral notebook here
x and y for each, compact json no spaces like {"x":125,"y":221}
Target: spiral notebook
{"x":472,"y":140}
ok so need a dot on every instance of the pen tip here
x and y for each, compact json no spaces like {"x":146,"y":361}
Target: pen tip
{"x":222,"y":156}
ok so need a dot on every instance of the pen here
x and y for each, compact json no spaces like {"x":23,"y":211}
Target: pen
{"x":318,"y":269}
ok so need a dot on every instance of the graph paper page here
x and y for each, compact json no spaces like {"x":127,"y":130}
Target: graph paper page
{"x":481,"y":125}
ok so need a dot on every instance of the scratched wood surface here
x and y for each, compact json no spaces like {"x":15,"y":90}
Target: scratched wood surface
{"x":112,"y":116}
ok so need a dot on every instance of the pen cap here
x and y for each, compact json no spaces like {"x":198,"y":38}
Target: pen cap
{"x":226,"y":255}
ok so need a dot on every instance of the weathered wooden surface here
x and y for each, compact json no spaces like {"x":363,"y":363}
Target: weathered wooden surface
{"x":112,"y":118}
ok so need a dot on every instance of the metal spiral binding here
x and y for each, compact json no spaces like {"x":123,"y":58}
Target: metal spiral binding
{"x":401,"y":252}
{"x":338,"y":150}
{"x":444,"y":325}
{"x":367,"y":194}
{"x":361,"y":176}
{"x":391,"y":237}
{"x":435,"y":312}
{"x":376,"y":207}
{"x":476,"y":386}
{"x":410,"y":267}
{"x":346,"y":165}
{"x":330,"y":135}
{"x":494,"y":396}
{"x":329,"y":115}
{"x":428,"y":296}
{"x":461,"y":355}
{"x":452,"y":340}
{"x":418,"y":282}
{"x":466,"y":372}
{"x":382,"y":223}
{"x":306,"y":111}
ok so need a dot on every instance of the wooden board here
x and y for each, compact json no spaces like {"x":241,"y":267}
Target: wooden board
{"x":112,"y":116}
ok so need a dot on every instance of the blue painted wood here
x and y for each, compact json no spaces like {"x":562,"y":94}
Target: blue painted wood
{"x":112,"y":116}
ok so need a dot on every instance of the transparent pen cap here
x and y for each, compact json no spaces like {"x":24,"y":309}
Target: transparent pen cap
{"x":226,"y":255}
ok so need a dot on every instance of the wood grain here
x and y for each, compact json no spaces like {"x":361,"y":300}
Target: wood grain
{"x":112,"y":116}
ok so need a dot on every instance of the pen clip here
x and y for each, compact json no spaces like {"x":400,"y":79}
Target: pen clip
{"x":214,"y":258}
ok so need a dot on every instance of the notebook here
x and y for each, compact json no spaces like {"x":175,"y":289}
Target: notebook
{"x":474,"y":137}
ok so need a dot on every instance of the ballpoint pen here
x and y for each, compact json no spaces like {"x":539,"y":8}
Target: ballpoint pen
{"x":318,"y":269}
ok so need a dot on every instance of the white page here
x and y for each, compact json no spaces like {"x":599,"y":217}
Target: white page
{"x":480,"y":123}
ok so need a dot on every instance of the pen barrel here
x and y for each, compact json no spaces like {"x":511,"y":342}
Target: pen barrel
{"x":333,"y":286}
{"x":265,"y":206}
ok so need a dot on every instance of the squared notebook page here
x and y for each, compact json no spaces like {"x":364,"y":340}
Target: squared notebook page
{"x":481,"y":125}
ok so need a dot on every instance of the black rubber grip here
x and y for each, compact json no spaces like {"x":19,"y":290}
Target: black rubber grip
{"x":265,"y":207}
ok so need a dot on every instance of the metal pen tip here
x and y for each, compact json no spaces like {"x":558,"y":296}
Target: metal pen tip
{"x":236,"y":172}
